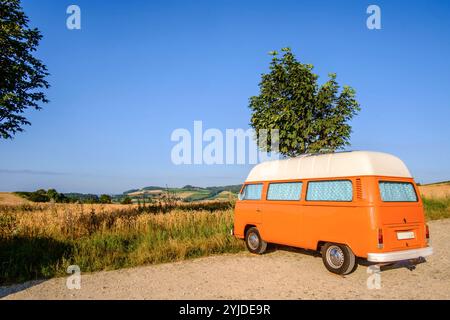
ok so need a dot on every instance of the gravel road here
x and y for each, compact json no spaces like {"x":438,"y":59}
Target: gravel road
{"x":280,"y":274}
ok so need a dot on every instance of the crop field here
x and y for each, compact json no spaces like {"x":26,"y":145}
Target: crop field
{"x":41,"y":240}
{"x":435,"y":190}
{"x":8,"y":198}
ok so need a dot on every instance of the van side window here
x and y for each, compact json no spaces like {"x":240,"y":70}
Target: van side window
{"x":252,"y":192}
{"x":392,"y":191}
{"x":335,"y":190}
{"x":284,"y":191}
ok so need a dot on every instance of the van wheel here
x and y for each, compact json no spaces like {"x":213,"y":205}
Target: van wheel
{"x":338,"y":258}
{"x":254,"y":242}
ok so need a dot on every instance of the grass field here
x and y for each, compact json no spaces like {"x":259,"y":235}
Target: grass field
{"x":8,"y":198}
{"x":435,"y":190}
{"x":40,"y":241}
{"x":436,"y":199}
{"x":436,"y":208}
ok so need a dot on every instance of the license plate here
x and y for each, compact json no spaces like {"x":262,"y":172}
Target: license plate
{"x":405,"y":235}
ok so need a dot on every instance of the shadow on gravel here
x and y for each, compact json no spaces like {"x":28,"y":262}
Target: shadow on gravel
{"x":6,"y":291}
{"x":275,"y":247}
{"x":27,"y":260}
{"x":408,"y":264}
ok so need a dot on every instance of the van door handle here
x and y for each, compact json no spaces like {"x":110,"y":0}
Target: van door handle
{"x":258,"y":210}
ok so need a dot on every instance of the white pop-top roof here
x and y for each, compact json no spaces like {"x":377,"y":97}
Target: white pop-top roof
{"x":330,"y":165}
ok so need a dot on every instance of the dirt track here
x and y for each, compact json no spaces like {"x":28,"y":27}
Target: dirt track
{"x":280,"y":274}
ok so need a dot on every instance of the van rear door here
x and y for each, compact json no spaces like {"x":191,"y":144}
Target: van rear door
{"x":401,"y":216}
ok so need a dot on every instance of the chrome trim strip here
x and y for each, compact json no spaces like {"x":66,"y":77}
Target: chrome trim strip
{"x":400,"y":255}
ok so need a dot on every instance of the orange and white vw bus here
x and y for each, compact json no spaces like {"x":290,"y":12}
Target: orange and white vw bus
{"x":344,"y":205}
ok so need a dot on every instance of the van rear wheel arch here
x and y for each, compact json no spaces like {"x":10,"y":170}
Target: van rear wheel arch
{"x":338,"y":258}
{"x":254,"y":242}
{"x":248,"y":226}
{"x":320,"y":245}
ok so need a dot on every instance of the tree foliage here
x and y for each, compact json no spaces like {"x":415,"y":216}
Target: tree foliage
{"x":104,"y":198}
{"x":311,"y":118}
{"x":126,"y":200}
{"x":22,"y":75}
{"x":51,"y":195}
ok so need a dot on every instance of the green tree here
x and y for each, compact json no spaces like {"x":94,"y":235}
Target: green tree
{"x":126,"y":200}
{"x":91,"y":198}
{"x":104,"y":198}
{"x":22,"y":75}
{"x":56,"y":196}
{"x":39,"y":196}
{"x":52,"y":194}
{"x":310,"y":117}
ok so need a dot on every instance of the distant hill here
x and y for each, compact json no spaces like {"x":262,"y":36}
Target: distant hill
{"x":437,"y":183}
{"x":435,"y":190}
{"x":151,"y":188}
{"x":187,"y":193}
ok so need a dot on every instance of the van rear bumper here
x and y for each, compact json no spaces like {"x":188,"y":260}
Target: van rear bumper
{"x":400,"y":255}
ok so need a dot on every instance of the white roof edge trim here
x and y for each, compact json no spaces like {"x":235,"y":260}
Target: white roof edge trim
{"x":331,"y":165}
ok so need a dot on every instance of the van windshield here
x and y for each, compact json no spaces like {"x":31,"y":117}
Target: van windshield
{"x":394,"y":191}
{"x":251,"y":192}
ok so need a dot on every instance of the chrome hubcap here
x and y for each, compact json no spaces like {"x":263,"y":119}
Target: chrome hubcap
{"x":253,"y":241}
{"x":335,"y":257}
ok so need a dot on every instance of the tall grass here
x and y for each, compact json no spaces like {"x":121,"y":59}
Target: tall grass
{"x":436,"y":208}
{"x":41,"y":241}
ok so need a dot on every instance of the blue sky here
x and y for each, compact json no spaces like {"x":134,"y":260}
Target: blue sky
{"x":137,"y":70}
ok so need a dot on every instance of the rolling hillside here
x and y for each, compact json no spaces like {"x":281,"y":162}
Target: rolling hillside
{"x":9,"y":198}
{"x":187,"y":193}
{"x":436,"y":190}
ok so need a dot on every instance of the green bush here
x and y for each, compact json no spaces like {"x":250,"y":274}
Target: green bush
{"x":126,"y":200}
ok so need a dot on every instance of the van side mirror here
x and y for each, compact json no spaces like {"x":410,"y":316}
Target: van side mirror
{"x":241,"y":196}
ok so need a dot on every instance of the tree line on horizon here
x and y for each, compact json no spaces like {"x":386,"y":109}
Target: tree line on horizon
{"x":51,"y":195}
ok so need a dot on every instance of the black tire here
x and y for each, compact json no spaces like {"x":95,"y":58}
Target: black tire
{"x":254,"y":242}
{"x":338,"y":258}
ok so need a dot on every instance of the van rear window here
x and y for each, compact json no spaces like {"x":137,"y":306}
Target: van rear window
{"x":284,"y":191}
{"x":335,"y":190}
{"x":392,"y":191}
{"x":251,"y":192}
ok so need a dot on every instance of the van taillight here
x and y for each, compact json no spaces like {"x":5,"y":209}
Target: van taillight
{"x":427,"y":232}
{"x":380,"y":238}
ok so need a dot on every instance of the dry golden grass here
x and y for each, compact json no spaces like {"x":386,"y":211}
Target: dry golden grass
{"x":10,"y":199}
{"x":78,"y":220}
{"x":41,"y":240}
{"x":439,"y":190}
{"x":226,"y":195}
{"x":144,"y":192}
